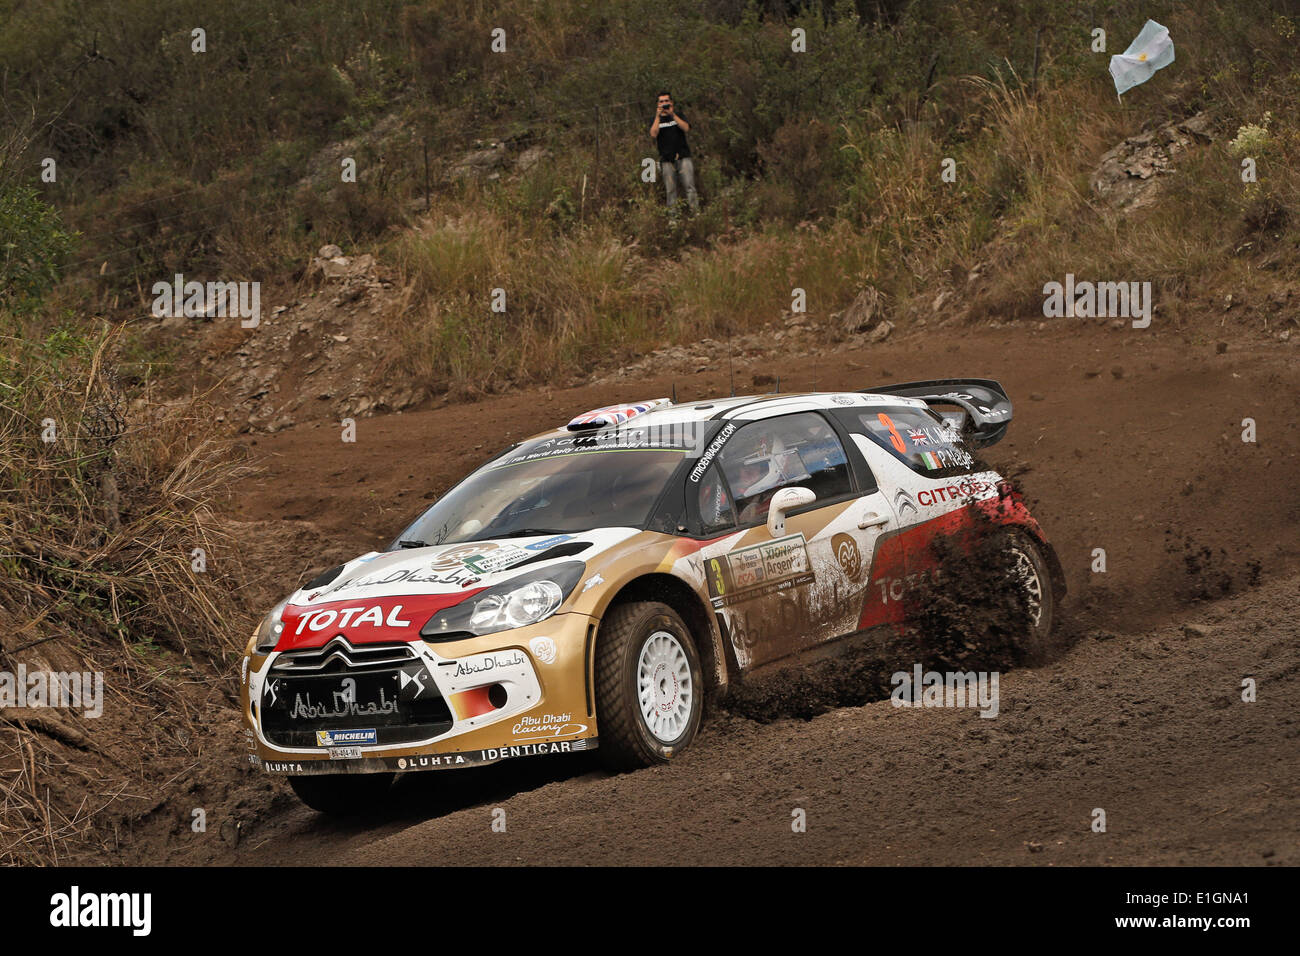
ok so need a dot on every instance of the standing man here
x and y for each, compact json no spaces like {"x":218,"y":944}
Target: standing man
{"x":669,"y":131}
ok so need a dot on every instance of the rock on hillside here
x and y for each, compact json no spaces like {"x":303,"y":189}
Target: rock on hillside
{"x":1129,"y":175}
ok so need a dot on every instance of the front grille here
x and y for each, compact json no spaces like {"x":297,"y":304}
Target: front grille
{"x":345,"y":687}
{"x":339,"y":656}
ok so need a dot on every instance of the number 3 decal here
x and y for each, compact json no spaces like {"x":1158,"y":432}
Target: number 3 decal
{"x":895,"y":439}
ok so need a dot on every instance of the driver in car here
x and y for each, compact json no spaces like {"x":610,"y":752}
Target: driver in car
{"x":758,"y":481}
{"x":774,"y":467}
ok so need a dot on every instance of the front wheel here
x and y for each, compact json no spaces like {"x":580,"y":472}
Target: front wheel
{"x":649,"y":690}
{"x":342,"y":794}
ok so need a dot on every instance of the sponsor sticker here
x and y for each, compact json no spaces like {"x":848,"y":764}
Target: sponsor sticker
{"x":954,"y":493}
{"x":531,"y":750}
{"x":548,"y":542}
{"x":446,"y":568}
{"x":497,"y":559}
{"x":678,"y":437}
{"x":454,"y":558}
{"x":785,"y":557}
{"x":759,"y":570}
{"x":485,"y":663}
{"x":747,"y":569}
{"x":543,"y":649}
{"x":345,"y":617}
{"x":431,"y":761}
{"x":847,"y":555}
{"x":278,"y":766}
{"x":425,"y":761}
{"x":546,"y":727}
{"x":339,"y":738}
{"x":711,"y":452}
{"x":341,"y":703}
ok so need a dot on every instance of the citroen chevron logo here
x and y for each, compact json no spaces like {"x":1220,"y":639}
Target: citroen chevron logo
{"x":903,"y":503}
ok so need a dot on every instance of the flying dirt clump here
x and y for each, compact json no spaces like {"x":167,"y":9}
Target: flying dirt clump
{"x":803,"y":690}
{"x":1210,"y":573}
{"x":970,"y":612}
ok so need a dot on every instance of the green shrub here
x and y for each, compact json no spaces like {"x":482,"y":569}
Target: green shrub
{"x":33,"y":245}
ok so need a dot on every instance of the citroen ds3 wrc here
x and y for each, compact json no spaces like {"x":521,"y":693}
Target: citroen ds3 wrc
{"x":591,"y":586}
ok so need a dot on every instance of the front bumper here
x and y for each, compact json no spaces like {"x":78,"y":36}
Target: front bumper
{"x":400,"y":706}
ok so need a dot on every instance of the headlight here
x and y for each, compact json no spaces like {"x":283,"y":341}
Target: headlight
{"x":268,"y":632}
{"x":527,"y":599}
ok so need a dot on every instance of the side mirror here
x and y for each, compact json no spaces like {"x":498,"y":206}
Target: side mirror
{"x":787,"y":499}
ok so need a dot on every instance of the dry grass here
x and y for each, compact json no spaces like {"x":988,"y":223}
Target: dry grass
{"x":562,"y":294}
{"x":98,"y":530}
{"x":1021,"y":213}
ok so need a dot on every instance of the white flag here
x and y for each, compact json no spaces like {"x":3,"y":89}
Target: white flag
{"x":1149,"y":52}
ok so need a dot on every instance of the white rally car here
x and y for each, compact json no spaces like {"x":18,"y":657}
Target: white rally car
{"x":592,"y":585}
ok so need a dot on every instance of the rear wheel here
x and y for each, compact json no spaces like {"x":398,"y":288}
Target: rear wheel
{"x":649,"y":690}
{"x":342,"y":794}
{"x":1029,"y":567}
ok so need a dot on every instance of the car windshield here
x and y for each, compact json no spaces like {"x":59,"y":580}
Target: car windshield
{"x":557,"y":485}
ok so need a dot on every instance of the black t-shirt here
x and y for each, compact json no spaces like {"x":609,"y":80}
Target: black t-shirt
{"x":672,"y":142}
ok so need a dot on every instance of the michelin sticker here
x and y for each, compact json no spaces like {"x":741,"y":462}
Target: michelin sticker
{"x":340,"y":738}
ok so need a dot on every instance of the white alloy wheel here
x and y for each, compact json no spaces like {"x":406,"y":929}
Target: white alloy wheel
{"x":664,"y":687}
{"x":649,"y":685}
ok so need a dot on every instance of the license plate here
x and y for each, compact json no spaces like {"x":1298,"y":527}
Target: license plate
{"x":345,"y":753}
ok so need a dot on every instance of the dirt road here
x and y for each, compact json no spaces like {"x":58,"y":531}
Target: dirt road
{"x":1127,"y":441}
{"x":1151,"y":729}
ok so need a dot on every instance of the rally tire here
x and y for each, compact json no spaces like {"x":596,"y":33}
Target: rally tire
{"x":646,"y":661}
{"x":342,"y":795}
{"x":1035,"y":643}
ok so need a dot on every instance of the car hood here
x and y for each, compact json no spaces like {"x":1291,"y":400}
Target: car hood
{"x":389,"y":596}
{"x":453,"y":569}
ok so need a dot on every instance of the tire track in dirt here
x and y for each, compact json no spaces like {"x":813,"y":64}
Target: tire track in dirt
{"x":1150,"y":728}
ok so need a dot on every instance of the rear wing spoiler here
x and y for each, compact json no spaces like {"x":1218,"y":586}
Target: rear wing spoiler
{"x":984,"y":411}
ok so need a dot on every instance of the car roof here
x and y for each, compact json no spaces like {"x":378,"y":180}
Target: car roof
{"x":745,"y":408}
